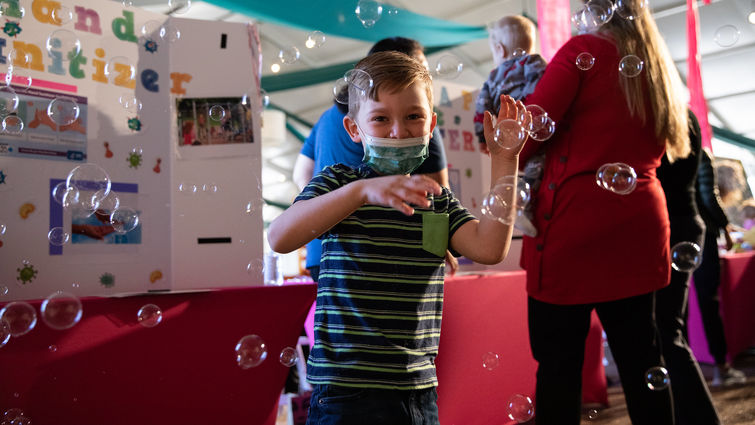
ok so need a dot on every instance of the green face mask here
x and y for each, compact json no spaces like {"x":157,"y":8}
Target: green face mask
{"x":394,"y":156}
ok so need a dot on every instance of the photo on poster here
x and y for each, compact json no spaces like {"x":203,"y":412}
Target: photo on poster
{"x":214,"y":121}
{"x":91,"y":232}
{"x":44,"y":125}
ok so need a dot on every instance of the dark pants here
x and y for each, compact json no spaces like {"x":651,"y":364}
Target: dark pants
{"x":334,"y":405}
{"x":707,"y":279}
{"x":557,"y":339}
{"x":692,"y":400}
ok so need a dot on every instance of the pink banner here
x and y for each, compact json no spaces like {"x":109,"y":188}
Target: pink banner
{"x":553,"y":20}
{"x":694,"y":76}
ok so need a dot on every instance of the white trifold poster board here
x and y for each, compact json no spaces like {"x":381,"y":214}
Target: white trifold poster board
{"x":169,"y":109}
{"x":468,"y":168}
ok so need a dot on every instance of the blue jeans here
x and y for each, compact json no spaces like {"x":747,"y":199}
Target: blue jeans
{"x":335,"y":405}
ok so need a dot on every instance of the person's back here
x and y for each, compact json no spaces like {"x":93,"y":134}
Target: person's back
{"x":518,"y":69}
{"x":692,"y":400}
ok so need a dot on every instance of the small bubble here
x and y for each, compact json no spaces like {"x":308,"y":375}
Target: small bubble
{"x":289,"y":55}
{"x":585,"y":61}
{"x":630,"y":66}
{"x":315,"y":39}
{"x":656,"y":378}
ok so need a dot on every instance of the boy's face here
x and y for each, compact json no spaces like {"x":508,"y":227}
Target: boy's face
{"x":399,"y":115}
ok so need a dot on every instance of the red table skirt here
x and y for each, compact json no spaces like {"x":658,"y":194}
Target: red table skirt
{"x":108,"y":369}
{"x":737,"y":294}
{"x":484,"y":316}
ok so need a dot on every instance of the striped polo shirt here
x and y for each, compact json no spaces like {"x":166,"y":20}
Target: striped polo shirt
{"x":380,"y":291}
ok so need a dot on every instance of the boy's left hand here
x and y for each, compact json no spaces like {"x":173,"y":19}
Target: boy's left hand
{"x":510,"y":109}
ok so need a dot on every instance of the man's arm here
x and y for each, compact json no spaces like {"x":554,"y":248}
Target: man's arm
{"x":303,"y":171}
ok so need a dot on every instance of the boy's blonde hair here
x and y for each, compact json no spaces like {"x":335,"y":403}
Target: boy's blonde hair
{"x":513,"y":32}
{"x":391,"y":71}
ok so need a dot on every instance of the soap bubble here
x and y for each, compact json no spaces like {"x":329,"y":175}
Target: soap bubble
{"x":20,"y":316}
{"x":12,"y":124}
{"x":4,"y":332}
{"x":500,"y":203}
{"x":58,"y":236}
{"x":630,"y":66}
{"x":119,"y":65}
{"x":727,"y":36}
{"x":151,"y":27}
{"x":179,"y":7}
{"x":105,"y":203}
{"x":448,"y":67}
{"x":509,"y":134}
{"x":124,"y":219}
{"x":62,"y":15}
{"x":360,"y":80}
{"x":585,"y":61}
{"x":187,"y":188}
{"x":65,"y":42}
{"x":288,"y":357}
{"x":686,"y":256}
{"x":251,"y":351}
{"x":61,"y":310}
{"x":368,"y":12}
{"x":591,"y":17}
{"x":255,"y":266}
{"x":545,"y":128}
{"x":149,"y":315}
{"x":63,"y":111}
{"x":130,"y":102}
{"x":88,"y":179}
{"x":520,"y":408}
{"x":341,"y":91}
{"x":490,"y":360}
{"x":315,"y":39}
{"x":617,"y":177}
{"x":8,"y":101}
{"x":656,"y":378}
{"x":217,"y":113}
{"x":630,"y":9}
{"x":169,"y":32}
{"x":289,"y":55}
{"x":519,"y":53}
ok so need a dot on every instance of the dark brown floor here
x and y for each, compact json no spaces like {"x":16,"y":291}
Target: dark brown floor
{"x":736,"y":404}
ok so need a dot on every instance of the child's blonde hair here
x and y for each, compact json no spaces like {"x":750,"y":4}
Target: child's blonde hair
{"x":392,"y":71}
{"x":512,"y":32}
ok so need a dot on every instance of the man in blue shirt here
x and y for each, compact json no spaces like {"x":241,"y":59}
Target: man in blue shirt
{"x":329,"y":144}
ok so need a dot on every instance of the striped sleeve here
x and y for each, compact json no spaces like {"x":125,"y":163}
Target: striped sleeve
{"x":327,"y":180}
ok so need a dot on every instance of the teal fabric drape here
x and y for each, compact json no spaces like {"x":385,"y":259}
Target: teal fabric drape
{"x":337,"y":17}
{"x":330,"y":73}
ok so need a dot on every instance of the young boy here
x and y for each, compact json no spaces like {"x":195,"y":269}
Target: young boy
{"x":385,"y":234}
{"x":512,"y":40}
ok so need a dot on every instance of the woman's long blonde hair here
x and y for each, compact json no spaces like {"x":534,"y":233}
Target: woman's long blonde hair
{"x":640,"y":37}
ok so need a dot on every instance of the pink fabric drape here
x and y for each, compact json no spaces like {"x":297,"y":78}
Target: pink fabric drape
{"x":694,"y":77}
{"x":553,"y":19}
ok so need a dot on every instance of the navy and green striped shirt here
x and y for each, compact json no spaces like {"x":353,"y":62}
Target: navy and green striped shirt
{"x":380,"y":291}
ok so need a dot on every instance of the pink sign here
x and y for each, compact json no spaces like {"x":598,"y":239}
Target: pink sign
{"x":694,"y":76}
{"x":553,"y":19}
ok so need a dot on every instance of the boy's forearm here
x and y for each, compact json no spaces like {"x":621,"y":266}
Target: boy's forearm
{"x":306,"y":220}
{"x":487,"y":241}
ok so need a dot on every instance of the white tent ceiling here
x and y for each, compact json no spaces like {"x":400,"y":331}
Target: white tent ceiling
{"x":728,"y":76}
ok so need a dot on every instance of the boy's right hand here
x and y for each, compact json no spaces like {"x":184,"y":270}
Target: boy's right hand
{"x":399,"y":191}
{"x":510,"y":109}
